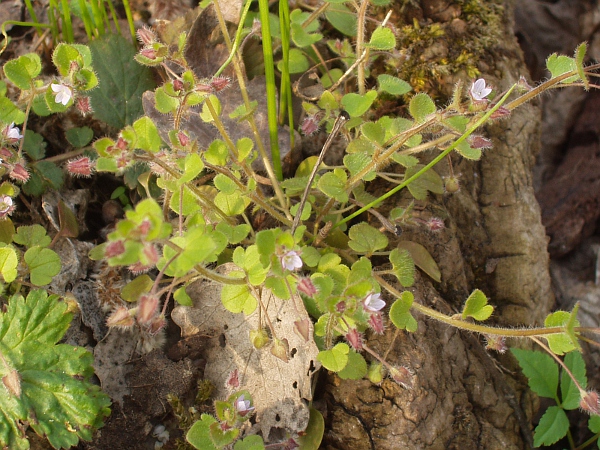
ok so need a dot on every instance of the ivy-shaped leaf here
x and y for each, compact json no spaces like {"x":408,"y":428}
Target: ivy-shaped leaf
{"x":420,"y":106}
{"x":199,"y":434}
{"x":43,"y":264}
{"x":237,"y":298}
{"x":400,"y":313}
{"x":356,"y":105}
{"x":333,"y":185}
{"x":366,"y":239}
{"x":558,"y":65}
{"x":336,"y":358}
{"x":476,"y":306}
{"x":563,"y":342}
{"x":356,"y":367}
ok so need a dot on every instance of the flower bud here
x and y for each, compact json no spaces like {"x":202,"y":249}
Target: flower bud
{"x":376,"y":323}
{"x":81,"y":167}
{"x":147,"y":308}
{"x":219,"y":83}
{"x":146,"y":36}
{"x":477,"y":141}
{"x":500,"y":113}
{"x":177,"y":85}
{"x":259,"y":338}
{"x":451,"y":184}
{"x":497,"y":343}
{"x":306,"y":286}
{"x":149,"y":53}
{"x":120,"y":317}
{"x":375,"y":373}
{"x":589,"y":402}
{"x":84,"y":105}
{"x":309,"y":126}
{"x":403,"y":376}
{"x":114,"y":248}
{"x":435,"y":224}
{"x":280,"y":349}
{"x":19,"y":173}
{"x":355,"y":339}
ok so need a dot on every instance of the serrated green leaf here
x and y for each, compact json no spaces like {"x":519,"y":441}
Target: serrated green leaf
{"x":336,"y":358}
{"x":356,"y":162}
{"x":163,"y":102}
{"x":356,"y":105}
{"x":235,"y":234}
{"x":56,"y":397}
{"x":553,"y":426}
{"x":403,"y":266}
{"x":192,"y":166}
{"x":420,"y":106}
{"x":393,"y":85}
{"x":560,"y":343}
{"x":333,"y":186}
{"x":225,"y":184}
{"x":79,"y":136}
{"x":44,"y":175}
{"x":230,"y":204}
{"x":63,"y":56}
{"x":366,"y":239}
{"x":237,"y":298}
{"x":147,"y":137}
{"x":569,"y":392}
{"x":31,"y":235}
{"x":541,"y":371}
{"x":23,"y":70}
{"x":374,"y":132}
{"x":118,"y":98}
{"x":355,"y":369}
{"x":400,"y":313}
{"x":382,"y":39}
{"x":476,"y":306}
{"x":43,"y":264}
{"x":199,"y":434}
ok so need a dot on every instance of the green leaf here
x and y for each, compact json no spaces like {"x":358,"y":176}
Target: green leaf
{"x":579,"y":59}
{"x":468,"y":152}
{"x":44,"y":175}
{"x":9,"y":112}
{"x":553,"y":426}
{"x":559,"y":65}
{"x":366,"y":239}
{"x":356,"y":105}
{"x":31,"y":235}
{"x":356,"y":162}
{"x":400,"y":313}
{"x":561,"y":343}
{"x":34,"y":145}
{"x":199,"y":434}
{"x":64,"y":55}
{"x":568,"y":390}
{"x":147,"y":137}
{"x":393,"y":85}
{"x":192,"y":166}
{"x":594,"y":424}
{"x":336,"y":358}
{"x":428,"y":181}
{"x":422,"y":259}
{"x":230,"y":204}
{"x":301,"y":37}
{"x":79,"y":137}
{"x":244,"y":147}
{"x":476,"y":306}
{"x":56,"y":397}
{"x":163,"y":102}
{"x":225,"y":184}
{"x":237,"y":298}
{"x":298,"y":62}
{"x":182,"y":297}
{"x":252,"y":442}
{"x":216,"y":153}
{"x":403,"y":266}
{"x":117,"y":100}
{"x":342,"y":19}
{"x":235,"y":234}
{"x":356,"y":367}
{"x":313,"y":435}
{"x":373,"y":132}
{"x":333,"y":185}
{"x":8,"y":263}
{"x":23,"y":70}
{"x":43,"y":264}
{"x":420,"y":106}
{"x":541,"y":371}
{"x":132,"y":291}
{"x":382,"y":39}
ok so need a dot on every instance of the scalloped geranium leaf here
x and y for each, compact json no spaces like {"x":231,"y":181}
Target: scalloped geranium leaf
{"x":541,"y":371}
{"x":199,"y":434}
{"x":559,"y":65}
{"x":382,"y":39}
{"x":420,"y":106}
{"x":31,"y":235}
{"x":237,"y":298}
{"x":355,"y":369}
{"x":356,"y":105}
{"x":393,"y":85}
{"x":553,"y":426}
{"x":9,"y":112}
{"x":333,"y":185}
{"x":43,"y":264}
{"x":366,"y":239}
{"x":50,"y":387}
{"x":79,"y":136}
{"x":476,"y":306}
{"x":336,"y":358}
{"x":23,"y":70}
{"x":561,"y":343}
{"x":400,"y":312}
{"x":252,"y":442}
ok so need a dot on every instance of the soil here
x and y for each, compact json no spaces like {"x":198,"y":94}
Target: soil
{"x":462,"y":397}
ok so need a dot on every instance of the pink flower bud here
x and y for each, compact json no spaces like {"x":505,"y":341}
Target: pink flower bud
{"x":149,"y":53}
{"x":84,"y":105}
{"x":139,"y":268}
{"x":157,"y":324}
{"x":589,"y":402}
{"x":497,"y":343}
{"x":233,"y":380}
{"x":203,"y":88}
{"x":340,"y":306}
{"x":220,"y":83}
{"x":19,"y":173}
{"x":81,"y":167}
{"x":147,"y":308}
{"x":435,"y":224}
{"x":177,"y":85}
{"x":376,"y":323}
{"x":184,"y":139}
{"x":310,"y":125}
{"x":146,"y":36}
{"x":477,"y":141}
{"x":306,"y":286}
{"x":120,"y":317}
{"x":403,"y":376}
{"x":500,"y":113}
{"x":114,"y":248}
{"x":355,"y":339}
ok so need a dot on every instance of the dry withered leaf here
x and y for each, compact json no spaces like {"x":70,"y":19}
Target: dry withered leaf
{"x":279,"y":389}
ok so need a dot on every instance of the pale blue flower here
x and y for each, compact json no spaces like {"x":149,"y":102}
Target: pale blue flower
{"x":479,"y":90}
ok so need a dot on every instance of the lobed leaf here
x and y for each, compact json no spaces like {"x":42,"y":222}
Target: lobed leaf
{"x":541,"y":371}
{"x":553,"y":426}
{"x":476,"y":306}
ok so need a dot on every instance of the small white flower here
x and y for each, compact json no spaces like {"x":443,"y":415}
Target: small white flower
{"x":291,"y":260}
{"x":373,"y":303}
{"x":12,"y":133}
{"x":243,"y":406}
{"x":63,"y":93}
{"x":6,"y":206}
{"x":479,"y":90}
